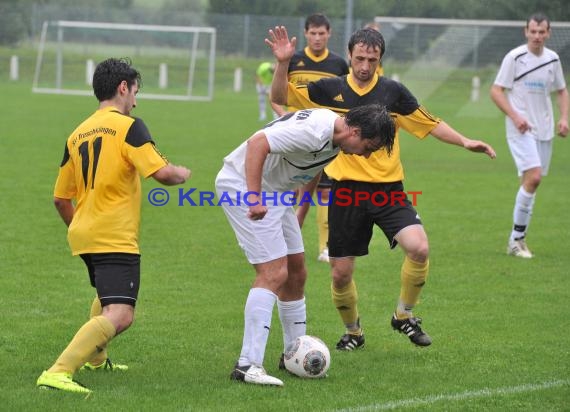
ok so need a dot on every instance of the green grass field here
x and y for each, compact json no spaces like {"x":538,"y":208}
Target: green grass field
{"x":500,"y":325}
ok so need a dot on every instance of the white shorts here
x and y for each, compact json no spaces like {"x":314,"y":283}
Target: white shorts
{"x":276,"y":235}
{"x":529,"y":153}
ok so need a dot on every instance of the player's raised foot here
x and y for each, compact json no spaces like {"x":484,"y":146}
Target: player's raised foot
{"x":62,"y":381}
{"x":254,"y":374}
{"x":105,"y":366}
{"x":411,"y":328}
{"x":324,"y":256}
{"x":282,"y":362}
{"x":518,"y":248}
{"x":349,"y":342}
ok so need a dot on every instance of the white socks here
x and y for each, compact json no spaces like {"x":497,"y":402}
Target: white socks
{"x":522,"y":212}
{"x":258,"y":311}
{"x":293,"y":316}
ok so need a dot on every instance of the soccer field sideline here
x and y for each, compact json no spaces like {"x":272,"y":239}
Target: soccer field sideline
{"x":462,"y":396}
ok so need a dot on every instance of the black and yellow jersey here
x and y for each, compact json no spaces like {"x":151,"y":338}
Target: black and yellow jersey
{"x":102,"y":161}
{"x":305,"y":67}
{"x":340,"y":94}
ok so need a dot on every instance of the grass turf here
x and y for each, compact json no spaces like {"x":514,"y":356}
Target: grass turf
{"x":499,"y":324}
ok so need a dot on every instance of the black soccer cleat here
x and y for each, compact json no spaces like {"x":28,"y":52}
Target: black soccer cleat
{"x":350,"y":342}
{"x":411,"y":328}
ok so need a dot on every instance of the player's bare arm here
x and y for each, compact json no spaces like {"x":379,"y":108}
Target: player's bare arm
{"x":500,"y":99}
{"x":65,"y":209}
{"x":283,"y":49}
{"x":257,"y":151}
{"x":170,"y":175}
{"x":562,"y":126}
{"x":447,"y":134}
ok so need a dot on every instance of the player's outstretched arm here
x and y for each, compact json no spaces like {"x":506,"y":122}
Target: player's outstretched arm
{"x":171,"y":175}
{"x":447,"y":134}
{"x":283,"y":49}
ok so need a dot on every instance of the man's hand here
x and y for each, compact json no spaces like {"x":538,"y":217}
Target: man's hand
{"x":562,"y":128}
{"x":521,"y":124}
{"x":480,"y":147}
{"x":257,"y":212}
{"x":279,"y":43}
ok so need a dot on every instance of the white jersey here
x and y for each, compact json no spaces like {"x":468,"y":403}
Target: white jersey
{"x":530,"y":79}
{"x":300,"y":146}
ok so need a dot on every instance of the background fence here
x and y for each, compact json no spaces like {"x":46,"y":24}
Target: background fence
{"x":418,"y":50}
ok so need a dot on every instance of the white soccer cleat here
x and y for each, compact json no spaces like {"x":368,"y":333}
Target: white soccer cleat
{"x":518,"y":248}
{"x":324,"y":256}
{"x":254,"y":374}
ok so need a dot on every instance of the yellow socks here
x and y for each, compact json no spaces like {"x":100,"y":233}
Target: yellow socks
{"x":345,"y":300}
{"x":413,"y":278}
{"x":323,"y":226}
{"x":91,"y":338}
{"x":96,"y":310}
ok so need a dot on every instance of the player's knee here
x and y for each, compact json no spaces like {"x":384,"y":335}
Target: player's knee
{"x":420,"y":252}
{"x":534,"y":182}
{"x":125,"y":320}
{"x":121,"y":316}
{"x":341,"y":277}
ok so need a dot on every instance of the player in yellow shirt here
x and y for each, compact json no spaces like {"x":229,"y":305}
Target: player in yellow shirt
{"x":351,"y":225}
{"x":316,"y":61}
{"x":98,"y":196}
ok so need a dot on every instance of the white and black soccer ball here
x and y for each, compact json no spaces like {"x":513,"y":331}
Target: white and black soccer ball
{"x":309,"y":358}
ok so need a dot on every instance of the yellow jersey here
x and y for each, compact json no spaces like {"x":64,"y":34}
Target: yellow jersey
{"x":102,"y":161}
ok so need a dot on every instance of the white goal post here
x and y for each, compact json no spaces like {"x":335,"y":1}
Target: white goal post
{"x":176,"y":62}
{"x":427,"y":52}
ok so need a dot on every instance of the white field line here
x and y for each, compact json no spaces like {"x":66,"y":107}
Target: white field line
{"x":482,"y":393}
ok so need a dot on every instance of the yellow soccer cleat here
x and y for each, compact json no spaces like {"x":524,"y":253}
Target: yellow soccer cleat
{"x":105,"y":366}
{"x":62,"y":381}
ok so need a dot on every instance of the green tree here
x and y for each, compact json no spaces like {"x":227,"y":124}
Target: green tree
{"x":12,"y":22}
{"x":557,"y":10}
{"x":257,"y":7}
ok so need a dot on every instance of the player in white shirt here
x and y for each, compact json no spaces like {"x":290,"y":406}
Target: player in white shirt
{"x":253,"y":187}
{"x":530,"y":73}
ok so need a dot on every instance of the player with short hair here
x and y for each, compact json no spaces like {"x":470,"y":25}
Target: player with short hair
{"x":266,"y":169}
{"x":314,"y":62}
{"x":98,"y":196}
{"x":351,"y":227}
{"x":530,"y":73}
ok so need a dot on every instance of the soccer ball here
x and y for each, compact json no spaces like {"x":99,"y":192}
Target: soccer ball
{"x":309,"y":358}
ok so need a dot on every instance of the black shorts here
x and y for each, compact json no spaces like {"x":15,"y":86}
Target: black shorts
{"x":325,"y":182}
{"x":116,"y":276}
{"x":356,"y":207}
